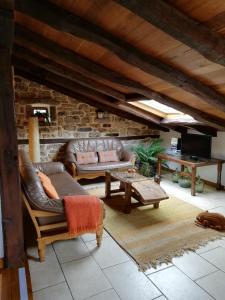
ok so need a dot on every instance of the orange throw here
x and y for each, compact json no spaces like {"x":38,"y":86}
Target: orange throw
{"x":83,"y":213}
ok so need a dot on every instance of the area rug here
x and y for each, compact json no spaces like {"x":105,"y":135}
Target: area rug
{"x":154,"y":236}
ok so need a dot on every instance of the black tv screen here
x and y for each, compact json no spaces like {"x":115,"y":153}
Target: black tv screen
{"x":196,"y":145}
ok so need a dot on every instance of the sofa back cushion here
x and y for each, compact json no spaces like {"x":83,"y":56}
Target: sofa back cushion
{"x":48,"y":186}
{"x":30,"y":181}
{"x":108,"y":156}
{"x":95,"y":145}
{"x":84,"y":158}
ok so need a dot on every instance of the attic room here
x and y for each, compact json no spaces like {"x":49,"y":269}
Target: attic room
{"x":112,"y":149}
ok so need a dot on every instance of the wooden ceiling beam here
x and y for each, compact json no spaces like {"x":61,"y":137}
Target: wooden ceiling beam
{"x":204,"y":129}
{"x":180,"y":26}
{"x":52,"y":50}
{"x":63,"y":20}
{"x":46,"y":78}
{"x":197,"y":114}
{"x":70,"y":74}
{"x":86,"y":91}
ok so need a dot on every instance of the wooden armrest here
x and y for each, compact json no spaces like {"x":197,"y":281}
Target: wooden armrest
{"x":42,"y":213}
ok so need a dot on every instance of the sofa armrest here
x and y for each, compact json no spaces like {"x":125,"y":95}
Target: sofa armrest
{"x":128,"y":156}
{"x":70,"y":158}
{"x":50,"y":167}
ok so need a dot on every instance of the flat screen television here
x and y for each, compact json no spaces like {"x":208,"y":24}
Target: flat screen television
{"x":196,"y":145}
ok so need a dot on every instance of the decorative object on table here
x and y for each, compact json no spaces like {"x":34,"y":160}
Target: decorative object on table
{"x":131,"y":172}
{"x":175,"y":176}
{"x":211,"y":220}
{"x":185,"y":178}
{"x":147,"y":157}
{"x":199,"y":185}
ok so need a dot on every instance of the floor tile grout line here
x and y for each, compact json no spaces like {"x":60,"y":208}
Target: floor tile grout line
{"x":63,"y":273}
{"x":162,"y":294}
{"x":49,"y":286}
{"x":206,"y":275}
{"x":101,"y":293}
{"x":195,"y":282}
{"x":158,"y":270}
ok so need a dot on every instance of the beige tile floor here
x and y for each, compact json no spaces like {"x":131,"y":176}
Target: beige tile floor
{"x":78,"y":270}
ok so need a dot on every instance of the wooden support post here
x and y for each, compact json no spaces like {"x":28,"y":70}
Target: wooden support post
{"x":9,"y":179}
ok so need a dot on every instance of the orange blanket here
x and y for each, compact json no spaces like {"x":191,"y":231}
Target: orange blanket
{"x":83,"y":213}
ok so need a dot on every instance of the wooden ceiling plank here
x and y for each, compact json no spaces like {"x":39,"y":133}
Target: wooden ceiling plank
{"x":54,"y":51}
{"x":63,"y":20}
{"x":180,"y":26}
{"x":56,"y":68}
{"x":60,"y":86}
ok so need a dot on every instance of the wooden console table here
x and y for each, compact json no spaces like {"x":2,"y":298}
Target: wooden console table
{"x":186,"y":161}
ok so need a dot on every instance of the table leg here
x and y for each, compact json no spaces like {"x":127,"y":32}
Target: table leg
{"x":127,"y":200}
{"x":107,"y":185}
{"x":219,"y":172}
{"x":193,"y":180}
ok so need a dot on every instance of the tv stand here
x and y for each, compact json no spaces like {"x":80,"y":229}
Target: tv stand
{"x":184,"y":161}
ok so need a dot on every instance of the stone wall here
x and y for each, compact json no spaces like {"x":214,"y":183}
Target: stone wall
{"x":71,"y":118}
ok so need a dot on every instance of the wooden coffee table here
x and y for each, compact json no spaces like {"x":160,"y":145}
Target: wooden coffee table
{"x":145,"y":190}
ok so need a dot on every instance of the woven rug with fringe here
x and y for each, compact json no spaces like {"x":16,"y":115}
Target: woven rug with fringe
{"x":154,"y":236}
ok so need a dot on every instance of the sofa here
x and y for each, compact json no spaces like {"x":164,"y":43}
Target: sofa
{"x":48,"y":214}
{"x":93,"y":170}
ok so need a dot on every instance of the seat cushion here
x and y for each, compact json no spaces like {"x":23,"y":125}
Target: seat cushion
{"x":66,"y":185}
{"x":101,"y":167}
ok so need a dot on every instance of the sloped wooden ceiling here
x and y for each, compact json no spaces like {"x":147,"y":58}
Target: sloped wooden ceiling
{"x":112,"y":52}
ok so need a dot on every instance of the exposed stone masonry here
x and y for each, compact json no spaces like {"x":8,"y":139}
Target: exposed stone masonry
{"x":72,"y":119}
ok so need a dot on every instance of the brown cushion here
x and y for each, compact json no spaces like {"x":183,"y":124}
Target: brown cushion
{"x":108,"y":156}
{"x":48,"y":186}
{"x":86,"y":158}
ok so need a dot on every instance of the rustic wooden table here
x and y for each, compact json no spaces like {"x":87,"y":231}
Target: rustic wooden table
{"x":193,"y":164}
{"x":145,"y":190}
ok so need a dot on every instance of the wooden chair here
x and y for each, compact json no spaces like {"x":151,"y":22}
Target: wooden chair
{"x":44,"y":235}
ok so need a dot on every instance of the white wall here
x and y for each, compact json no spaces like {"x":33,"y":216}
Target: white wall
{"x":218,"y":151}
{"x":1,"y":235}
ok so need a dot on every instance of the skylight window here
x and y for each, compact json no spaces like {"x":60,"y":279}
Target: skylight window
{"x":161,"y":107}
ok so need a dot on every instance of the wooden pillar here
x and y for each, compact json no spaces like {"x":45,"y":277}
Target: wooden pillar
{"x":9,"y":174}
{"x":34,"y":140}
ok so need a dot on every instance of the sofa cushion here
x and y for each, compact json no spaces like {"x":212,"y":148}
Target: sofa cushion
{"x":108,"y":156}
{"x":48,"y":186}
{"x":66,"y":185}
{"x":86,"y":158}
{"x":100,"y":167}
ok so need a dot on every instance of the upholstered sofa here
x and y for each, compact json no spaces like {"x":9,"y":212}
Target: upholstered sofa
{"x":92,"y":170}
{"x":48,"y":214}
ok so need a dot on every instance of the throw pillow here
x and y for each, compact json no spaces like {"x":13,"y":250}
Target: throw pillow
{"x":84,"y":158}
{"x":47,"y":185}
{"x":108,"y":156}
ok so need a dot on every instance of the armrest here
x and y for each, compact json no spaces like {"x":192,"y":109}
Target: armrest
{"x":128,"y":156}
{"x":70,"y":158}
{"x":50,"y":167}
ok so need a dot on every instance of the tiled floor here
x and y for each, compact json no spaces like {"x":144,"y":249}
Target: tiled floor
{"x":78,"y":270}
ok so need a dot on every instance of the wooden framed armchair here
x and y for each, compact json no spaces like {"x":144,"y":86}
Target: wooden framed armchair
{"x":48,"y":214}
